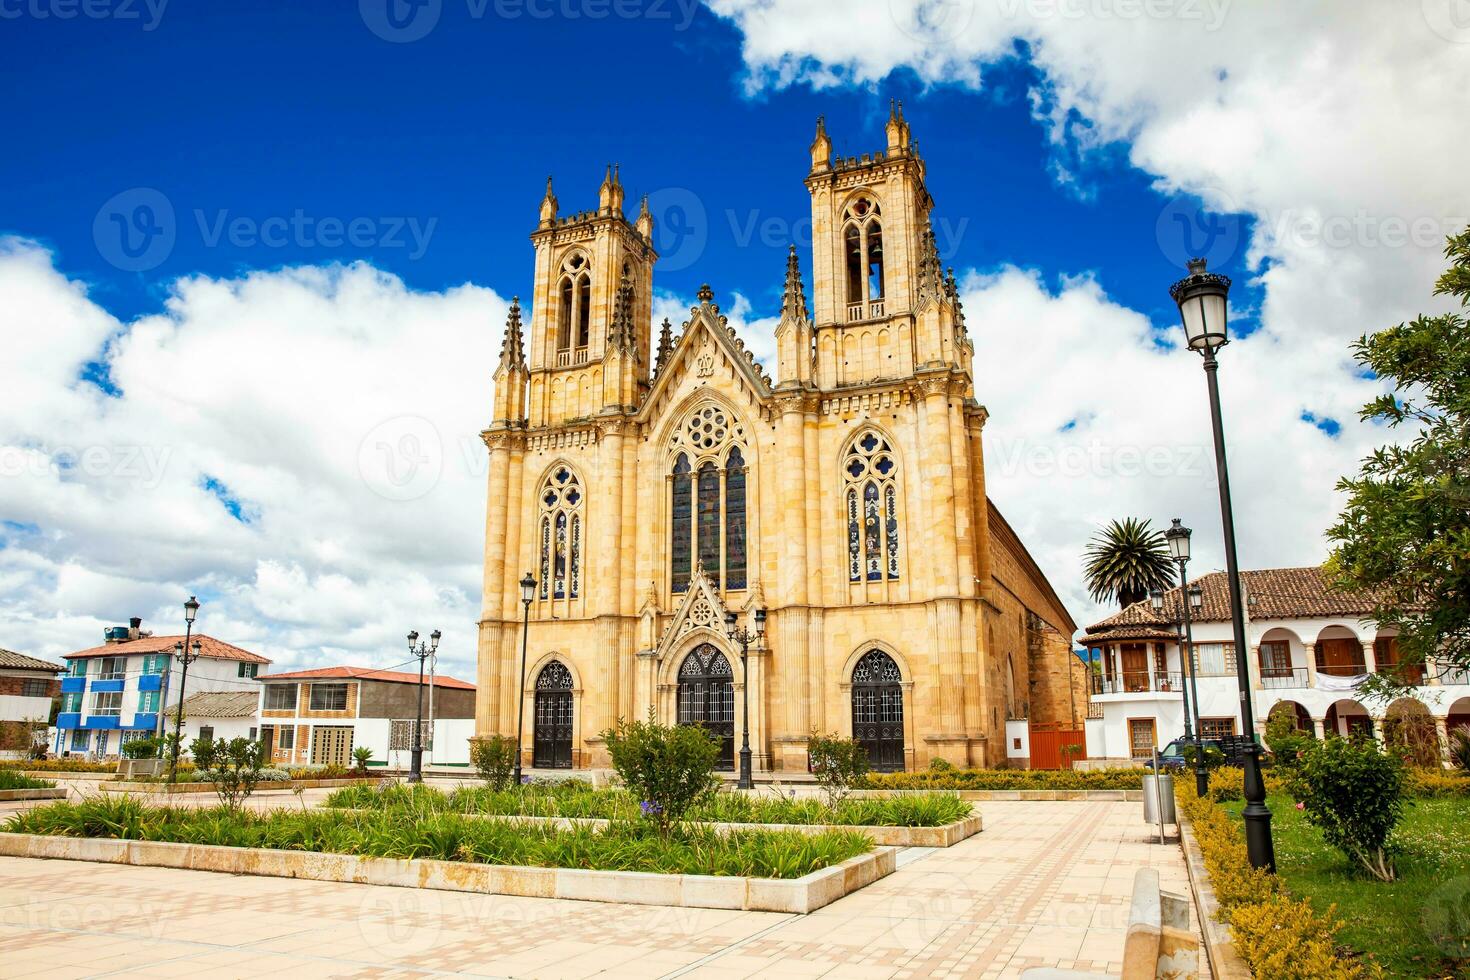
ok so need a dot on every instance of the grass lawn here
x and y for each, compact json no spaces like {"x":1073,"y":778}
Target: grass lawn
{"x":1385,"y":919}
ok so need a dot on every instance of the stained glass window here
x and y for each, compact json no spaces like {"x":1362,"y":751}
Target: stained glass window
{"x":710,"y":507}
{"x":735,"y":520}
{"x":683,"y":529}
{"x":561,"y":535}
{"x":709,"y":517}
{"x":872,"y":515}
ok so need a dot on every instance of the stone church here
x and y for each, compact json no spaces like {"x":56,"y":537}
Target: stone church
{"x":652,"y":486}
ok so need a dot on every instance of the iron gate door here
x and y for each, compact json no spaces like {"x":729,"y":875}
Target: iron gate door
{"x":877,"y":710}
{"x":707,"y":698}
{"x":551,"y":735}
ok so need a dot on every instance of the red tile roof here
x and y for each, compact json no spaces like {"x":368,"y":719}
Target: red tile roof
{"x":367,"y":674}
{"x":208,"y":647}
{"x":1271,"y":593}
{"x":11,"y":660}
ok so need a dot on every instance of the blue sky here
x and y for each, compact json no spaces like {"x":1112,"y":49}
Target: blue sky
{"x":246,"y":245}
{"x":246,"y":110}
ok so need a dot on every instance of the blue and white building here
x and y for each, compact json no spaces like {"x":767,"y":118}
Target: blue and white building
{"x":120,"y":690}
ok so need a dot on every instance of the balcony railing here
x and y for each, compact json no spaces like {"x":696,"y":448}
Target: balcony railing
{"x":1279,"y":677}
{"x":567,"y":358}
{"x":1138,"y":682}
{"x":872,"y":310}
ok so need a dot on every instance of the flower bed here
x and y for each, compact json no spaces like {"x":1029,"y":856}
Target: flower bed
{"x":10,"y":779}
{"x":452,"y":837}
{"x":1009,"y":779}
{"x":58,"y":765}
{"x":1276,"y":935}
{"x":580,"y":801}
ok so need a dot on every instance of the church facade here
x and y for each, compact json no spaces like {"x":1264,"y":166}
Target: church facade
{"x":651,"y":487}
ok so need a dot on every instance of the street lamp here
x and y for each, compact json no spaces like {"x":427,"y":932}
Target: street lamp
{"x":1157,"y":599}
{"x":1202,"y":297}
{"x":743,"y":637}
{"x":1178,"y":538}
{"x":528,"y":593}
{"x":186,"y":654}
{"x":423,"y":651}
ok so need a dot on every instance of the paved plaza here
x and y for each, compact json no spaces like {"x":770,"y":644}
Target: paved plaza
{"x":1046,"y":884}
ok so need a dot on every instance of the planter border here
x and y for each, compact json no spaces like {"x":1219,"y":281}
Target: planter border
{"x":797,"y":895}
{"x":12,"y":795}
{"x":179,"y":789}
{"x":945,"y":835}
{"x":981,"y":795}
{"x":1225,"y":961}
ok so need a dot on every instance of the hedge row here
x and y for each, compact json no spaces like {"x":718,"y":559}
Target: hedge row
{"x":1276,"y":935}
{"x":58,"y":765}
{"x":1008,"y":779}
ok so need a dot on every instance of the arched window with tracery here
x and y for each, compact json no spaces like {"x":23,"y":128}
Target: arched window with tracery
{"x":707,"y":500}
{"x":870,"y":472}
{"x":574,"y":311}
{"x":862,"y":245}
{"x":561,"y":535}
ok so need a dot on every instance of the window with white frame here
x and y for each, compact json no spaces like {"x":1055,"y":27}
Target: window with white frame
{"x":107,"y":703}
{"x":329,"y":697}
{"x":286,"y":737}
{"x":112,"y":668}
{"x":247,"y":670}
{"x":280,"y":697}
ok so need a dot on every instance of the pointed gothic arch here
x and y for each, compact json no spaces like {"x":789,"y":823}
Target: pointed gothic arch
{"x":706,"y":697}
{"x":561,"y":499}
{"x":708,"y":498}
{"x":552,"y":717}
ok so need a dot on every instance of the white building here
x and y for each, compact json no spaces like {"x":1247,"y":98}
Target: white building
{"x":120,"y":690}
{"x":221,"y":715}
{"x":1308,"y":650}
{"x":318,"y":716}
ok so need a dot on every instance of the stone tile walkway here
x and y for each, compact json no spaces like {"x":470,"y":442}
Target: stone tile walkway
{"x":1046,"y":884}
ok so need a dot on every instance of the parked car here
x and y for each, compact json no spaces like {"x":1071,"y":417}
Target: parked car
{"x":1172,"y":755}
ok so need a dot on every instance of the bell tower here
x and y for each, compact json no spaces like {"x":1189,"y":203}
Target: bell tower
{"x":882,"y":306}
{"x":589,"y":342}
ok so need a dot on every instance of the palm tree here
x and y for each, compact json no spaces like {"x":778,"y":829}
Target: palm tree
{"x":1127,"y":559}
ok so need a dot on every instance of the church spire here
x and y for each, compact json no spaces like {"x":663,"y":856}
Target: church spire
{"x":821,"y":147}
{"x":621,"y":332}
{"x":665,"y":345}
{"x":644,"y":224}
{"x":548,"y":206}
{"x":793,"y":304}
{"x":512,"y":350}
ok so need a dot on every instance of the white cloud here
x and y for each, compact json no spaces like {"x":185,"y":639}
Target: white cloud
{"x":1336,"y":127}
{"x":336,"y":408}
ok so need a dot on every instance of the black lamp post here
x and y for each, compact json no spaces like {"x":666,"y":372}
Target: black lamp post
{"x":743,"y":637}
{"x":186,"y":654}
{"x":1156,"y":599}
{"x":423,"y":651}
{"x":528,"y":593}
{"x":1203,"y":309}
{"x":1178,"y":537}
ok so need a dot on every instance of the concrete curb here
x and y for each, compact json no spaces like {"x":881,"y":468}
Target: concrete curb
{"x":798,"y":895}
{"x":946,"y":835}
{"x":179,"y":789}
{"x":11,"y":795}
{"x":1050,"y":795}
{"x":1225,"y":962}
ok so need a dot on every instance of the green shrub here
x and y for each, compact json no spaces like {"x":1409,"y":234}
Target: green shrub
{"x":938,"y":764}
{"x":838,"y":763}
{"x":1435,"y":783}
{"x":233,"y":766}
{"x":1214,"y":758}
{"x":361,"y":755}
{"x":1008,"y":779}
{"x":1227,"y":783}
{"x":10,"y":779}
{"x":1285,"y":740}
{"x":1276,"y":936}
{"x":142,"y":748}
{"x":668,"y":768}
{"x":59,"y":765}
{"x":494,"y":758}
{"x":1460,"y":747}
{"x":1353,"y":793}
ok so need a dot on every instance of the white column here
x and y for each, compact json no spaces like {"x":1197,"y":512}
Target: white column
{"x":1310,"y":649}
{"x":1319,"y":727}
